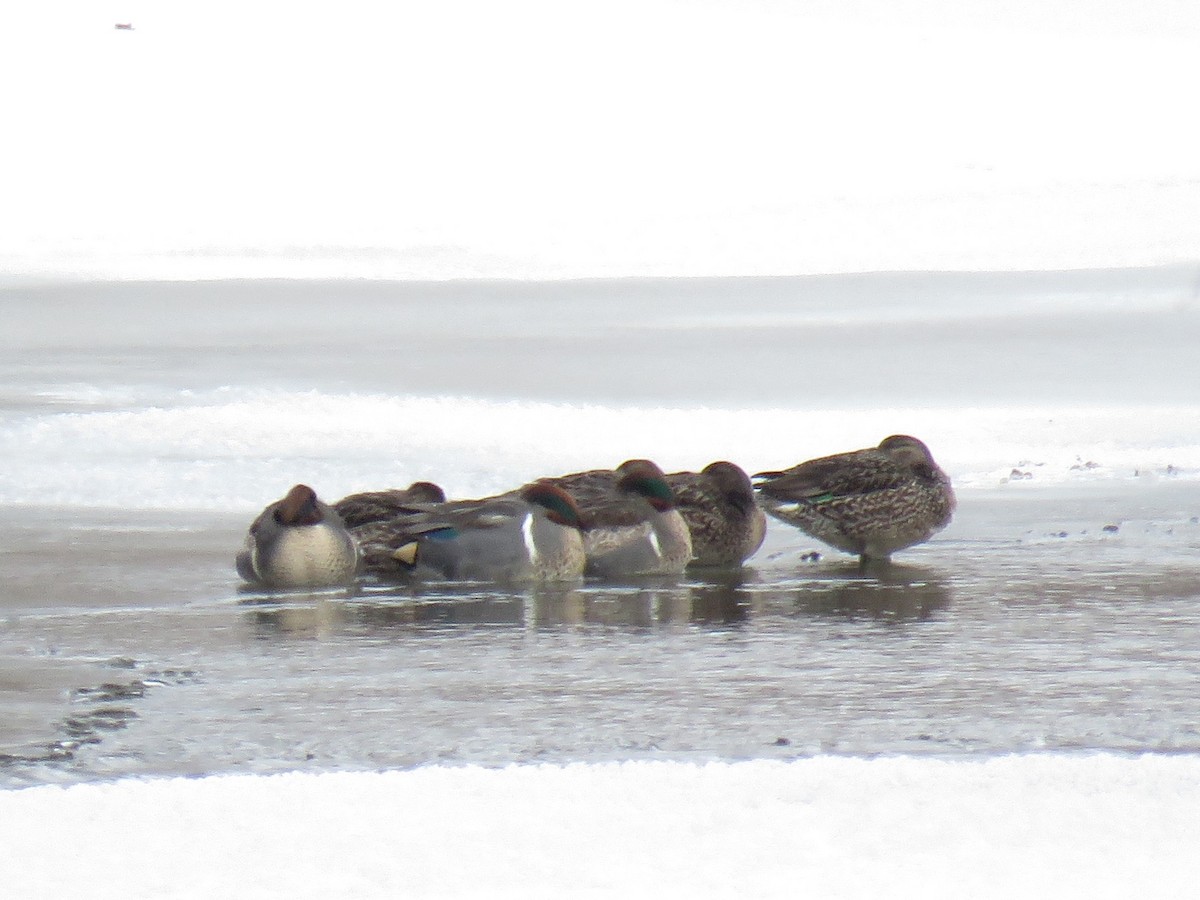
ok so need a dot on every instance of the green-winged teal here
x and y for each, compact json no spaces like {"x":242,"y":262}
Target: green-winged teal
{"x":630,"y":523}
{"x":529,"y":535}
{"x":378,"y":506}
{"x":298,"y":542}
{"x":871,"y":502}
{"x":726,"y":525}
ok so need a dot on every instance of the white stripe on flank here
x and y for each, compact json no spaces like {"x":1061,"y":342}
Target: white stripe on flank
{"x":527,"y":534}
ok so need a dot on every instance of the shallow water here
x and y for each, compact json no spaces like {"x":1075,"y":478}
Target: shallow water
{"x":1057,"y":612}
{"x":1026,"y":626}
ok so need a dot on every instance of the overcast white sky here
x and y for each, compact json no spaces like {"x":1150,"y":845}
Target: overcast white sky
{"x":548,"y":138}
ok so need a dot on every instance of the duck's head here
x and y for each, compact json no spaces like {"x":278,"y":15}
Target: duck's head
{"x":732,"y":482}
{"x":299,"y":507}
{"x":642,"y":477}
{"x":905,"y":449}
{"x":426,"y":492}
{"x":560,"y":507}
{"x":910,"y":453}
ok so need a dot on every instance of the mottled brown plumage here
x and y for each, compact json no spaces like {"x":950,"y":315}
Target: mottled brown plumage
{"x":726,"y":525}
{"x":872,"y":502}
{"x":379,"y":506}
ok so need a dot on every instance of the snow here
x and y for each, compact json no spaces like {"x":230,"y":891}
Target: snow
{"x":1090,"y":826}
{"x":540,"y":140}
{"x":221,"y":452}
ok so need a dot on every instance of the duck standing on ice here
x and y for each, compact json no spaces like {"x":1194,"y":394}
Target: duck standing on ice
{"x":298,"y":542}
{"x":872,"y":502}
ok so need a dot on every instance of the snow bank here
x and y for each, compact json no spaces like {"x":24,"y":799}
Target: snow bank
{"x":1088,"y":826}
{"x":543,"y":140}
{"x":225,"y":451}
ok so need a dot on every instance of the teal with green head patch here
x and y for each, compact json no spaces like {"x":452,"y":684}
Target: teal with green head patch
{"x":653,"y":487}
{"x":559,"y":506}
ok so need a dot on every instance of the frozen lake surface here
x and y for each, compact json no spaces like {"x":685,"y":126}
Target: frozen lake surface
{"x":144,"y":425}
{"x":1009,"y":712}
{"x":1026,"y":680}
{"x":1027,"y":628}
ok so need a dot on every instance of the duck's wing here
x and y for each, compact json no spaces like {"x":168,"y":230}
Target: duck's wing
{"x":458,"y":515}
{"x":587,"y":488}
{"x":692,"y":491}
{"x":375,"y":506}
{"x":372,"y":506}
{"x":840,"y":475}
{"x":615,"y":513}
{"x":474,"y":515}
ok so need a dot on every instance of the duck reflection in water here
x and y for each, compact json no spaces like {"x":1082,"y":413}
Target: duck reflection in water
{"x":716,"y":601}
{"x":888,"y":592}
{"x":722,"y":597}
{"x":300,"y":615}
{"x":714,"y":598}
{"x":323,"y":617}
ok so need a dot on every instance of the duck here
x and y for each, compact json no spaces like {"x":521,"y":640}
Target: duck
{"x":630,"y":523}
{"x":726,"y":524}
{"x":378,"y":506}
{"x":298,"y":542}
{"x":530,"y":535}
{"x":872,"y":502}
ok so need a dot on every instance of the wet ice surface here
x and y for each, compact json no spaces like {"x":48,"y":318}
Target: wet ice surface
{"x":1058,"y":612}
{"x":1027,"y":626}
{"x":1098,"y":336}
{"x":221,"y":395}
